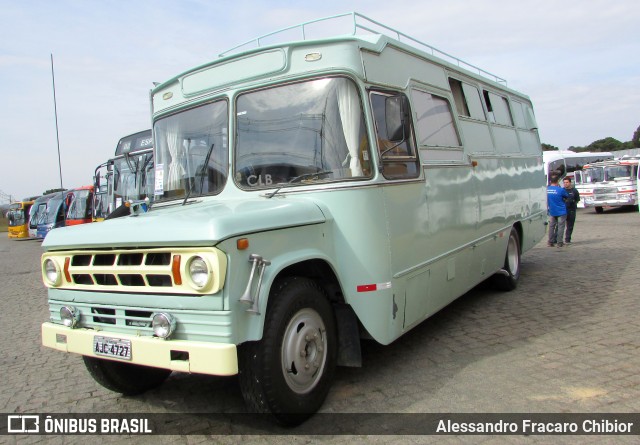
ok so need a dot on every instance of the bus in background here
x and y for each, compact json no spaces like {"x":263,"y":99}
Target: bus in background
{"x":81,"y":206}
{"x":100,"y":200}
{"x":129,"y":175}
{"x":37,"y":210}
{"x":561,"y":163}
{"x":18,"y":216}
{"x":638,"y":184}
{"x":611,"y":183}
{"x":132,"y":169}
{"x":55,"y":214}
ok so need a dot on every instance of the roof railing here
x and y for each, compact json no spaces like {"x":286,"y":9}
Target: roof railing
{"x":361,"y":22}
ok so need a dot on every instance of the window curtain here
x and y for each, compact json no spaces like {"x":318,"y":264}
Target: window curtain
{"x":350,"y":116}
{"x":175,"y":172}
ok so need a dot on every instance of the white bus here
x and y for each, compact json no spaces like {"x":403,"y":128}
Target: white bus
{"x":612,"y":183}
{"x":561,"y":163}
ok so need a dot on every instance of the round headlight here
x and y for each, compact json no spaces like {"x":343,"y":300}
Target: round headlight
{"x":163,"y":325}
{"x":70,"y":316}
{"x":199,"y":272}
{"x":51,"y":272}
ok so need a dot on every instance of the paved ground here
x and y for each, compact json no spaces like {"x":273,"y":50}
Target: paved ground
{"x":567,"y":340}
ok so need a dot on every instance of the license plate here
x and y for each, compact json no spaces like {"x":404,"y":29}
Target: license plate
{"x":112,"y":347}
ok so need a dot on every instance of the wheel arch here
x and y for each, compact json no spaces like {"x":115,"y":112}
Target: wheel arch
{"x":348,"y":327}
{"x":520,"y":230}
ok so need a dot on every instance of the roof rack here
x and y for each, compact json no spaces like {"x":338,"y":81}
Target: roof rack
{"x":363,"y":23}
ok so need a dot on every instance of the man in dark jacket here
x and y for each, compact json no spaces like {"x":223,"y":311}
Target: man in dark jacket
{"x":557,"y":211}
{"x":572,"y":205}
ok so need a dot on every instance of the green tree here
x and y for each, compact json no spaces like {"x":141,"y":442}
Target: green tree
{"x":635,"y":140}
{"x":606,"y":144}
{"x":548,"y":147}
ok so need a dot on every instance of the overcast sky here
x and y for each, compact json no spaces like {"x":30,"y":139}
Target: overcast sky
{"x":578,"y":60}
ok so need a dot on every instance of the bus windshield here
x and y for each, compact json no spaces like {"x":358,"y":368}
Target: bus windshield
{"x":131,"y":177}
{"x":16,"y":215}
{"x":37,"y":211}
{"x":192,"y":152}
{"x":314,"y":127}
{"x":614,"y":172}
{"x":594,"y":174}
{"x":81,"y":206}
{"x":54,"y":209}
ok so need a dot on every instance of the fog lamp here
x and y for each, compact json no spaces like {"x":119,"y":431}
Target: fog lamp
{"x":70,"y":316}
{"x":51,"y":272}
{"x":163,"y":324}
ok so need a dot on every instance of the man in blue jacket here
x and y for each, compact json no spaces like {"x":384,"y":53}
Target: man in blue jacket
{"x":557,"y":210}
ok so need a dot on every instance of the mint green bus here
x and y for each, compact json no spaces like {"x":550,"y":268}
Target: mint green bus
{"x":307,"y":194}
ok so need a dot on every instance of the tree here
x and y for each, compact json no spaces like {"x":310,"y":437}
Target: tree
{"x":635,"y":140}
{"x":547,"y":147}
{"x":606,"y":144}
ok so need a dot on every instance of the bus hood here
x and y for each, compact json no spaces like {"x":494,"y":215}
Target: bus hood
{"x":205,"y":222}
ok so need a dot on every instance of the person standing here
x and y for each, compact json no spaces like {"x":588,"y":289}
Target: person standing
{"x":557,"y":211}
{"x":572,"y":207}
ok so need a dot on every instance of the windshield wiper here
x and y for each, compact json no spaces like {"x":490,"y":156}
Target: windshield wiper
{"x":298,"y":178}
{"x":204,"y":169}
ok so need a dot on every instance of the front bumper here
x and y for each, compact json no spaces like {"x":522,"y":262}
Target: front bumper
{"x":176,"y":355}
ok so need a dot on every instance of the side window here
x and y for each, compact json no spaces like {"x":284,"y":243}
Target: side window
{"x":434,"y":121}
{"x":498,"y":108}
{"x":530,"y":118}
{"x":557,"y":169}
{"x":396,"y":149}
{"x":467,"y":99}
{"x":518,"y":114}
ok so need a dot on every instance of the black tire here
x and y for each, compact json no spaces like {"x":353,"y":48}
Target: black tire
{"x":289,"y":372}
{"x":599,"y":210}
{"x":511,"y":264}
{"x":125,"y":378}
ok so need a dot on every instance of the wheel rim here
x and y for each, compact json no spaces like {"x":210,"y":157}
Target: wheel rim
{"x":513,"y":259}
{"x":304,"y":351}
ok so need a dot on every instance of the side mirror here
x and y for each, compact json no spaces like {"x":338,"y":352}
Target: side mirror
{"x":394,"y":114}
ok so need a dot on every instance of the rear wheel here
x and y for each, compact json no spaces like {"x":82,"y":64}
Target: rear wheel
{"x":289,"y":372}
{"x":599,"y":210}
{"x":125,"y":378}
{"x":509,"y":281}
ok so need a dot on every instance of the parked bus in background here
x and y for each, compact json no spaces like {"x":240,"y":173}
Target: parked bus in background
{"x":608,"y":184}
{"x":566,"y":162}
{"x":306,"y":195}
{"x":81,"y":206}
{"x":37,"y":210}
{"x":101,"y":191}
{"x":128,"y":176}
{"x":18,"y":219}
{"x":638,"y":185}
{"x":133,"y":169}
{"x":55,"y":214}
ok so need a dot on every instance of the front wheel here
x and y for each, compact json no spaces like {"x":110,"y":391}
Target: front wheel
{"x":508,"y":280}
{"x":289,"y":372}
{"x":599,"y":210}
{"x":125,"y":378}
